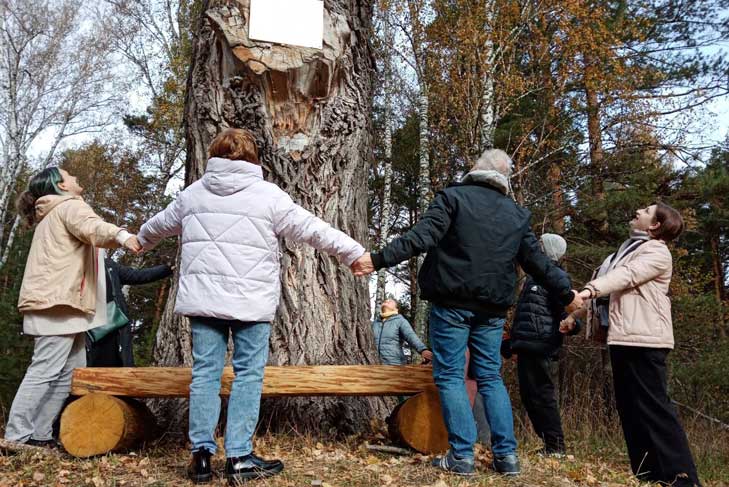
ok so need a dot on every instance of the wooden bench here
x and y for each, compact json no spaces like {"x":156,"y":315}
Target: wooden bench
{"x":105,"y":418}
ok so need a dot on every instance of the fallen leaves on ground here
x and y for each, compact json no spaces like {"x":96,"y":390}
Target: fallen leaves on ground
{"x":308,"y":463}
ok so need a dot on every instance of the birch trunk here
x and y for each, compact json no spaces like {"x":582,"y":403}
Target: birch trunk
{"x":718,"y":269}
{"x":488,"y":99}
{"x":310,"y":111}
{"x":424,"y":190}
{"x":386,"y":206}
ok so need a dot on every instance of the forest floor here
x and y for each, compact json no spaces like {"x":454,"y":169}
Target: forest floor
{"x":317,"y":462}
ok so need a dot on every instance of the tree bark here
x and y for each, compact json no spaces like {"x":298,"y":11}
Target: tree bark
{"x":487,"y":114}
{"x":310,"y":112}
{"x":424,"y":190}
{"x":386,"y":206}
{"x":718,"y":284}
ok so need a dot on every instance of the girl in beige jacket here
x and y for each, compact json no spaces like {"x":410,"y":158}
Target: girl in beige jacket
{"x":640,"y":336}
{"x":63,"y":295}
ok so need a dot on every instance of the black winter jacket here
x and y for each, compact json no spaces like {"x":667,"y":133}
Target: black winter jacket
{"x":115,"y":349}
{"x":474,"y":237}
{"x":535,"y":328}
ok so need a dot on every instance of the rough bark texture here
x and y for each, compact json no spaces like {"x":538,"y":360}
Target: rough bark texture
{"x":310,"y":111}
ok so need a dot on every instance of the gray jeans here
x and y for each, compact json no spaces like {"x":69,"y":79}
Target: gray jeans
{"x":45,"y":387}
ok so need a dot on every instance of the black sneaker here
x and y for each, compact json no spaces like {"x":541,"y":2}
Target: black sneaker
{"x":507,"y":465}
{"x":200,"y":470}
{"x":51,"y":444}
{"x":459,"y":466}
{"x":250,"y":467}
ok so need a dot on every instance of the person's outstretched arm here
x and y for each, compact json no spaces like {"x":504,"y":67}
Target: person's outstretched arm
{"x":426,"y":234}
{"x":166,"y":223}
{"x":409,"y":335}
{"x":653,"y":261}
{"x":84,"y":224}
{"x":132,"y":277}
{"x":294,"y":222}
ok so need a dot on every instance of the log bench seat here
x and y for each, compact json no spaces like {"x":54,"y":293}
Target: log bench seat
{"x":107,"y":417}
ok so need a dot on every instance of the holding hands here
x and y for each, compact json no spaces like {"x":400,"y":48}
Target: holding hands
{"x":576,"y":303}
{"x":567,"y":325}
{"x":133,"y":245}
{"x":363,"y":266}
{"x":427,"y":356}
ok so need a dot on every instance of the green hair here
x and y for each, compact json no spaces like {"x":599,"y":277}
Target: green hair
{"x":42,"y":184}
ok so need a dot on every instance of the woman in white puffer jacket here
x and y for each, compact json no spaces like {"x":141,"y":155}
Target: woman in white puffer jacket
{"x":230,"y":222}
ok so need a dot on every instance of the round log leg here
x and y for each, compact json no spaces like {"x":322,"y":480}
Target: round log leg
{"x":418,"y":423}
{"x":99,"y":423}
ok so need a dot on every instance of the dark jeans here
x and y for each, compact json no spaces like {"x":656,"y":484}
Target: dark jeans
{"x":657,"y":445}
{"x":537,"y":385}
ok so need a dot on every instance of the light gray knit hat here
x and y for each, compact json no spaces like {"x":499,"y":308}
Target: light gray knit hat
{"x":554,"y":246}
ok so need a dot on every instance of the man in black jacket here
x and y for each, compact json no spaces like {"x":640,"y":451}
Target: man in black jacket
{"x":474,"y":236}
{"x":537,"y":338}
{"x":115,"y":349}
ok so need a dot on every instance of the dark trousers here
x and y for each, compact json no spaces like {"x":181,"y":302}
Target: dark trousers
{"x":537,"y":386}
{"x":657,"y":445}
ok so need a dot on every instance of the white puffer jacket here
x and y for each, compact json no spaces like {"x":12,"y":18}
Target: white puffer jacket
{"x":230,"y":222}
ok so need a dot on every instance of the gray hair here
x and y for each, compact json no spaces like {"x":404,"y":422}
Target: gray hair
{"x":493,"y":168}
{"x":494,"y":160}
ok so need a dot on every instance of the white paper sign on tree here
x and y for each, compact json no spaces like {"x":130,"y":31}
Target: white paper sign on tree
{"x":296,"y":22}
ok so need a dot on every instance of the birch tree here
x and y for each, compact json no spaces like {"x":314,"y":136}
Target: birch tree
{"x":56,"y":82}
{"x":386,"y":204}
{"x":154,"y":37}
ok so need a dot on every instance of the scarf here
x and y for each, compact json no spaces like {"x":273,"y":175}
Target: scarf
{"x":601,"y":306}
{"x":386,"y":314}
{"x":490,"y":177}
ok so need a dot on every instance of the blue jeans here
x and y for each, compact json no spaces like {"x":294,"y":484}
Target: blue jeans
{"x":250,"y":353}
{"x":451,"y":331}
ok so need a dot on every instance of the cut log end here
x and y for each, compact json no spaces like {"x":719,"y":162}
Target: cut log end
{"x":99,"y":423}
{"x":418,"y":423}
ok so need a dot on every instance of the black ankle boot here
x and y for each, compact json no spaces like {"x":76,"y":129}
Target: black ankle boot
{"x":249,"y":467}
{"x":51,"y":444}
{"x":200,"y":471}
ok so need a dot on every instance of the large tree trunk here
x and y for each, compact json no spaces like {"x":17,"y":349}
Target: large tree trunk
{"x":310,"y":111}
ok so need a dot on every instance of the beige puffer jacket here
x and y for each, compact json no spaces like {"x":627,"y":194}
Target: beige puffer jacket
{"x":60,"y":268}
{"x":640,"y":309}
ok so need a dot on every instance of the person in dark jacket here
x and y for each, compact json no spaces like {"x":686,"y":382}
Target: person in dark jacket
{"x":474,"y":236}
{"x":536,"y":338}
{"x":391,"y":329}
{"x":115,"y":349}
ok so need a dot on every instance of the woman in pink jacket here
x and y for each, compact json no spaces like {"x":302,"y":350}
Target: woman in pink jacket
{"x":640,"y":335}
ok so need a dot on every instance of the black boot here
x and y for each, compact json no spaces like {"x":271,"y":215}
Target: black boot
{"x":51,"y":444}
{"x":249,"y":467}
{"x":200,"y":471}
